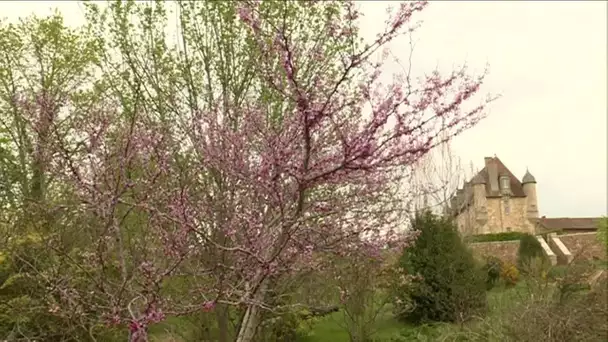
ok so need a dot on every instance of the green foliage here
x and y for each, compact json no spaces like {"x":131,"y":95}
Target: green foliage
{"x":27,"y":304}
{"x":287,"y":327}
{"x":492,"y":269}
{"x":423,"y":332}
{"x":447,"y":285}
{"x":21,"y":289}
{"x":506,"y":236}
{"x":41,"y":58}
{"x":602,"y":232}
{"x":529,"y":250}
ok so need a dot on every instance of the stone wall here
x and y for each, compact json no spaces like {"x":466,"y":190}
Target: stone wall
{"x":504,"y":250}
{"x":583,"y":246}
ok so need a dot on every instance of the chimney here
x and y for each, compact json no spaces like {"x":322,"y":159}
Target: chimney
{"x":492,"y":169}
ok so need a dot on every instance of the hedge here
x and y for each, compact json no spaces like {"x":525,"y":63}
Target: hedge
{"x":508,"y":236}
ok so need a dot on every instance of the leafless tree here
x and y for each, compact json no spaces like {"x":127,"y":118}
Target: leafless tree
{"x":436,"y":178}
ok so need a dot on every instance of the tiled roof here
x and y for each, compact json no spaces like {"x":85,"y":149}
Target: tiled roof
{"x":489,"y":176}
{"x":582,"y":223}
{"x":516,"y":186}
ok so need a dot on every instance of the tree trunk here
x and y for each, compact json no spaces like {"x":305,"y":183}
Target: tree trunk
{"x":251,"y":319}
{"x":249,"y":324}
{"x":222,"y":316}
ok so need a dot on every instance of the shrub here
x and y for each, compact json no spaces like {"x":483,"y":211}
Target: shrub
{"x":447,"y":284}
{"x":291,"y":326}
{"x":582,"y":317}
{"x":26,"y":305}
{"x":542,"y":313}
{"x":509,"y":274}
{"x":492,"y":269}
{"x":529,"y":249}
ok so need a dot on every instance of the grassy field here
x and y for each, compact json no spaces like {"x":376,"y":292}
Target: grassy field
{"x":331,"y":328}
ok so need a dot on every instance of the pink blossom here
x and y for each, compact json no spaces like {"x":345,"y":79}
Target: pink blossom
{"x":208,"y":306}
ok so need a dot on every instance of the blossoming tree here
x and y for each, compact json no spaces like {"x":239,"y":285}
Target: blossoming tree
{"x":231,"y":193}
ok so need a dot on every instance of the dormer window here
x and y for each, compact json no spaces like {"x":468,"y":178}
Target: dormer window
{"x":505,"y":184}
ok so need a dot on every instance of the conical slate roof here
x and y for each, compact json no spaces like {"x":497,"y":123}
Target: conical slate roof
{"x":528,"y":178}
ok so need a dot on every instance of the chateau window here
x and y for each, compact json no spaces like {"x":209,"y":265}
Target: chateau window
{"x":507,"y":207}
{"x":504,"y":183}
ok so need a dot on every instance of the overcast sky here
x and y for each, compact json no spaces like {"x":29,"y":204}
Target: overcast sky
{"x":548,"y":60}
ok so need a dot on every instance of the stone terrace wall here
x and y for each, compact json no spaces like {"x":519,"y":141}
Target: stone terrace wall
{"x":504,"y":250}
{"x":583,"y":246}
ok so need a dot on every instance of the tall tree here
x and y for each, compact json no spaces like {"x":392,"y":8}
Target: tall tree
{"x":45,"y":63}
{"x":214,"y":65}
{"x":261,"y":142}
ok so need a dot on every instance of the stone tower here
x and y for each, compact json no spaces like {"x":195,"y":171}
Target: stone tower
{"x":480,"y":200}
{"x":529,"y":186}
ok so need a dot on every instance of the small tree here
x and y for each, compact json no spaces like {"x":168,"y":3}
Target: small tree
{"x":447,"y":284}
{"x":364,"y":285}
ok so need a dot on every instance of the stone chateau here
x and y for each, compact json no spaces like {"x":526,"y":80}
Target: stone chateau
{"x":495,"y":201}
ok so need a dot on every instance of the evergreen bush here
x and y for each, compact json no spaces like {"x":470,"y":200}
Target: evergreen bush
{"x":446,"y":284}
{"x":529,"y":250}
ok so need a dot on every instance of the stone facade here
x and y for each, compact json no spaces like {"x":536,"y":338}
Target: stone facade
{"x":495,"y":201}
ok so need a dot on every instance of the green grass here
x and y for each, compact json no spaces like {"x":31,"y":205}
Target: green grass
{"x":331,"y":328}
{"x":174,"y":329}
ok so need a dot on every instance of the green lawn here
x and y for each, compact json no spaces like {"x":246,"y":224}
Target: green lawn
{"x":331,"y":328}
